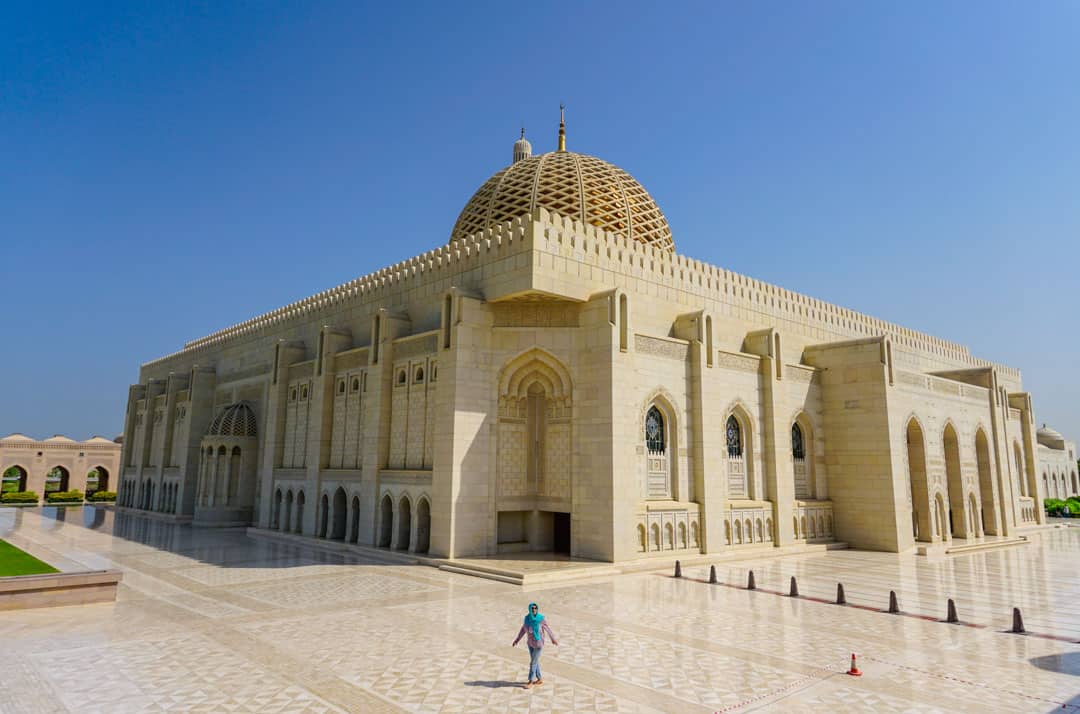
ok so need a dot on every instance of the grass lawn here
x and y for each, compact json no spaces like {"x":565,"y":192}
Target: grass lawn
{"x":15,"y":562}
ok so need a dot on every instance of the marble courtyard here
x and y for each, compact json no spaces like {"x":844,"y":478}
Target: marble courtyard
{"x":213,"y":620}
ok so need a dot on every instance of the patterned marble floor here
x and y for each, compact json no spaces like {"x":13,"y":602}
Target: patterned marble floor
{"x":214,"y":621}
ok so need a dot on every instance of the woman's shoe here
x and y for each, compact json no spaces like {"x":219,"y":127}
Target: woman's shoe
{"x":538,"y":682}
{"x":527,"y":686}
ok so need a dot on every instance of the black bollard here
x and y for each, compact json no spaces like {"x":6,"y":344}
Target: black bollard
{"x":712,"y":575}
{"x":794,"y":592}
{"x":750,"y":585}
{"x":840,"y":599}
{"x":951,"y":615}
{"x":678,"y":569}
{"x":1018,"y":622}
{"x":894,"y":605}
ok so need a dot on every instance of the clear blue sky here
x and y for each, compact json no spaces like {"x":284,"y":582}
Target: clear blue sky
{"x":168,"y":169}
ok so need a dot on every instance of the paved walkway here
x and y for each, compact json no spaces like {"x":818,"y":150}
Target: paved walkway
{"x":216,"y":621}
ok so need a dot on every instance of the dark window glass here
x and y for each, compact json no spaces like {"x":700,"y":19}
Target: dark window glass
{"x":654,"y":431}
{"x":734,"y":437}
{"x":797,"y":449}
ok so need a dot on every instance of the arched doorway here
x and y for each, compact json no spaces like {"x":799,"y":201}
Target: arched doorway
{"x":338,"y":531}
{"x":423,"y":526}
{"x":299,"y":513}
{"x":942,"y":518}
{"x":988,"y":512}
{"x":57,"y":480}
{"x":14,"y":480}
{"x":287,"y":523}
{"x":354,"y":521}
{"x":275,"y":515}
{"x":973,"y":523}
{"x":921,"y":517}
{"x":1075,"y":485}
{"x":97,"y":479}
{"x":404,"y":523}
{"x":386,"y":521}
{"x":324,"y":515}
{"x":957,"y":526}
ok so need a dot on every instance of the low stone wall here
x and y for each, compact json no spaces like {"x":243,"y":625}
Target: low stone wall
{"x":56,"y":589}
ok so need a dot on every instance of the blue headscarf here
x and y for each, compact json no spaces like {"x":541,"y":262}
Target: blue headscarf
{"x":534,"y":621}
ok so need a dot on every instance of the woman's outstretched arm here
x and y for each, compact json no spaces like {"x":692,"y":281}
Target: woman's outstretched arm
{"x":549,"y":632}
{"x":521,"y":633}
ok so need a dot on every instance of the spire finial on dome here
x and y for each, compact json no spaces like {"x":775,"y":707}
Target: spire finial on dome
{"x":562,"y":127}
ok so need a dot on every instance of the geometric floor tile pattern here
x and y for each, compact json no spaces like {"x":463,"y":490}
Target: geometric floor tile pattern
{"x":214,"y":621}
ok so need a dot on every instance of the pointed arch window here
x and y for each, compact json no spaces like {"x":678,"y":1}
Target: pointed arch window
{"x":797,"y":449}
{"x":736,"y":464}
{"x":654,"y":431}
{"x":734,"y":437}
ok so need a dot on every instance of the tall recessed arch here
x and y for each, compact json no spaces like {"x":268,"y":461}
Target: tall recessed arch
{"x":957,"y":516}
{"x":738,"y":440}
{"x":802,"y":456}
{"x":988,"y":513}
{"x":921,"y":516}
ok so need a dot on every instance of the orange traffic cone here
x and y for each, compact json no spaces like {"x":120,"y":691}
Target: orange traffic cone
{"x":854,"y":671}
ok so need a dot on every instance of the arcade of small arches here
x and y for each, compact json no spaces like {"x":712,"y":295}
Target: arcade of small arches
{"x":399,"y":525}
{"x":58,"y":478}
{"x":957,"y":503}
{"x":1059,"y":484}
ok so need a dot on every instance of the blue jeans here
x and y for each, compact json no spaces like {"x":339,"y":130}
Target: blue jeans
{"x":534,"y":663}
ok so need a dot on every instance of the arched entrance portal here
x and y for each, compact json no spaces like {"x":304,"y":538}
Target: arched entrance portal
{"x":14,"y":480}
{"x":97,"y":479}
{"x":921,"y":518}
{"x":386,"y":522}
{"x":354,"y":521}
{"x":533,"y":467}
{"x":57,"y":480}
{"x":942,"y":518}
{"x":423,"y":526}
{"x":324,"y":515}
{"x":338,"y":531}
{"x":986,"y":484}
{"x":957,"y":526}
{"x":404,"y":523}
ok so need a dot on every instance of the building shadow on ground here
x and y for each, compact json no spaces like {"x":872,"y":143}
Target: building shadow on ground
{"x":1064,"y":663}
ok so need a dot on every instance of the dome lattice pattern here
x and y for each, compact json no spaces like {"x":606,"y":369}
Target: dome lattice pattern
{"x":583,"y":187}
{"x":236,"y":420}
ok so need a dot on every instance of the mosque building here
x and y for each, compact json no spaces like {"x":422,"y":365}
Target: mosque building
{"x":557,"y":378}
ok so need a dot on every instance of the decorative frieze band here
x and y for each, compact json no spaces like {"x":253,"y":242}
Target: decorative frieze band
{"x":741,"y":363}
{"x":661,"y":348}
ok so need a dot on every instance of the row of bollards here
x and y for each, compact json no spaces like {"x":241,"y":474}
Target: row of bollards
{"x":951,"y":615}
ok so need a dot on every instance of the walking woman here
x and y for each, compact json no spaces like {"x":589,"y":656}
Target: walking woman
{"x":535,"y":626}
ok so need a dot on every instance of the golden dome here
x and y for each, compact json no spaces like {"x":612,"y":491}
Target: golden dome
{"x":582,"y":187}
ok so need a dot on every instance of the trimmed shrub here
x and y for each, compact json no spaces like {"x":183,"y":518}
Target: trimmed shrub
{"x":64,"y":497}
{"x":19,"y":497}
{"x":100,"y":496}
{"x":1054,"y":506}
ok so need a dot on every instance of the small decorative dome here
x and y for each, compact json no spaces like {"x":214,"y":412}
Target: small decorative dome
{"x":522,"y":148}
{"x":1050,"y":438}
{"x":236,"y":420}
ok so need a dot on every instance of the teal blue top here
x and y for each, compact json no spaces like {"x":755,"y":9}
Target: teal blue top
{"x":533,"y":621}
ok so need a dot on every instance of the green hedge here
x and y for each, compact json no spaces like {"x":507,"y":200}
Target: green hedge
{"x":19,"y":497}
{"x":99,"y":496}
{"x":1057,"y":507}
{"x":64,"y":497}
